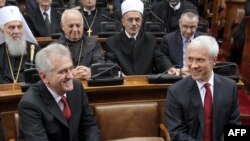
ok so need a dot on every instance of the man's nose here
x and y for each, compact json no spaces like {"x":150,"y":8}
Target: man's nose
{"x":69,"y":74}
{"x":16,"y":30}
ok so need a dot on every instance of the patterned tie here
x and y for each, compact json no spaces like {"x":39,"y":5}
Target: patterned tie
{"x":208,"y":110}
{"x":47,"y":23}
{"x":66,"y":109}
{"x":187,"y":42}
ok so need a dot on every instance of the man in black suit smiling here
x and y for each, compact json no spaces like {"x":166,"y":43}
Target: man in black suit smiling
{"x":56,"y":108}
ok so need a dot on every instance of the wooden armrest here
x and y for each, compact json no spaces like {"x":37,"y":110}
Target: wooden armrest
{"x":164,"y":132}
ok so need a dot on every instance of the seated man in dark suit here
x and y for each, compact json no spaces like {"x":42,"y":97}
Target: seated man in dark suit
{"x":85,"y":50}
{"x":56,"y":108}
{"x":199,"y":106}
{"x":174,"y":44}
{"x":15,"y":45}
{"x":31,"y":5}
{"x":170,"y":11}
{"x":44,"y":20}
{"x":134,"y":51}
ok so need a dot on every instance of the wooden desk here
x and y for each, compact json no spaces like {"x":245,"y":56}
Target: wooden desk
{"x":245,"y":60}
{"x":44,"y":41}
{"x":134,"y":89}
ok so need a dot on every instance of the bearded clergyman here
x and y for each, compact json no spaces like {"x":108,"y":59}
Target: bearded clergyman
{"x":17,"y":45}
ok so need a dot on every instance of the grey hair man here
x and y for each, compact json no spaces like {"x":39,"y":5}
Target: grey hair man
{"x":199,"y":106}
{"x":56,"y":107}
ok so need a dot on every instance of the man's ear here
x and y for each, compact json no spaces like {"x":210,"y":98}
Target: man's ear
{"x":61,"y":26}
{"x":43,"y":77}
{"x":215,"y":60}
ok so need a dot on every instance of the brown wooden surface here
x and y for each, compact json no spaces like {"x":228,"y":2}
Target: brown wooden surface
{"x":245,"y":60}
{"x":44,"y":41}
{"x":214,"y":15}
{"x":134,"y":89}
{"x":232,"y":6}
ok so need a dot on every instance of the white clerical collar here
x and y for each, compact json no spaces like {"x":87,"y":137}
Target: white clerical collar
{"x":56,"y":96}
{"x":177,"y":7}
{"x":129,"y":36}
{"x":89,"y":11}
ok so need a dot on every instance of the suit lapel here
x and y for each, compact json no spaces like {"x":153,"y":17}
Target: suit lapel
{"x":51,"y":104}
{"x":54,"y":24}
{"x":197,"y":103}
{"x":72,"y":105}
{"x":40,"y":22}
{"x":179,"y":48}
{"x":217,"y":96}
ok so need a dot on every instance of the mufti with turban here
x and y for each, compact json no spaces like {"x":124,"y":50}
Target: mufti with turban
{"x":136,"y":52}
{"x":15,"y":45}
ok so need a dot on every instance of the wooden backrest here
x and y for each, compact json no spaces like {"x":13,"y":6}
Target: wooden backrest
{"x":10,"y":121}
{"x":118,"y":121}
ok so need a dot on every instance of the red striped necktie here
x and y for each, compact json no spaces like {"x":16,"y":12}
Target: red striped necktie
{"x":208,"y":110}
{"x":66,"y":109}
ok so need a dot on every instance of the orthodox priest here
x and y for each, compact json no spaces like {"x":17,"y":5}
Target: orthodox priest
{"x":92,"y":15}
{"x":17,"y":45}
{"x":85,"y":50}
{"x":136,"y":52}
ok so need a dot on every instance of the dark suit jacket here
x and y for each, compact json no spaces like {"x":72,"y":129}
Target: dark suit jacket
{"x":31,"y":5}
{"x":139,"y":59}
{"x":41,"y":119}
{"x":171,"y":18}
{"x":184,"y":109}
{"x":36,"y":23}
{"x":172,"y":46}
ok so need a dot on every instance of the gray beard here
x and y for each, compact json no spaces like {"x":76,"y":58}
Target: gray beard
{"x":16,"y":48}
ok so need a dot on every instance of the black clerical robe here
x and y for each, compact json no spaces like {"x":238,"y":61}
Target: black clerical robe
{"x":5,"y":70}
{"x":136,"y":58}
{"x":94,"y":19}
{"x":85,"y":51}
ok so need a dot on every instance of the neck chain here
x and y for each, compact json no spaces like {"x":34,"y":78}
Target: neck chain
{"x":11,"y":69}
{"x":80,"y":53}
{"x":90,"y":26}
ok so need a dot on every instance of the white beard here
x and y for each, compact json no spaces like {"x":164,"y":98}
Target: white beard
{"x":16,"y":48}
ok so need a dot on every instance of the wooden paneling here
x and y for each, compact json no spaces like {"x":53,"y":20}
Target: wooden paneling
{"x":232,"y":7}
{"x":245,"y":61}
{"x":134,"y":89}
{"x":44,"y":41}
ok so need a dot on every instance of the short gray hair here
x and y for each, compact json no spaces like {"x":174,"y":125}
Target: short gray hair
{"x":43,"y":57}
{"x":73,"y":11}
{"x":206,"y":42}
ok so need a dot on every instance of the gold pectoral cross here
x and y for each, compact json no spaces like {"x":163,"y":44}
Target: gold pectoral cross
{"x":89,"y":32}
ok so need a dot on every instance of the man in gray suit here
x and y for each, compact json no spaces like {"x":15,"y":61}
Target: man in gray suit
{"x":198,"y":107}
{"x":43,"y":113}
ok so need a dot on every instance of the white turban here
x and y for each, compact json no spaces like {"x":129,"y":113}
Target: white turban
{"x":132,"y":5}
{"x":12,"y":13}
